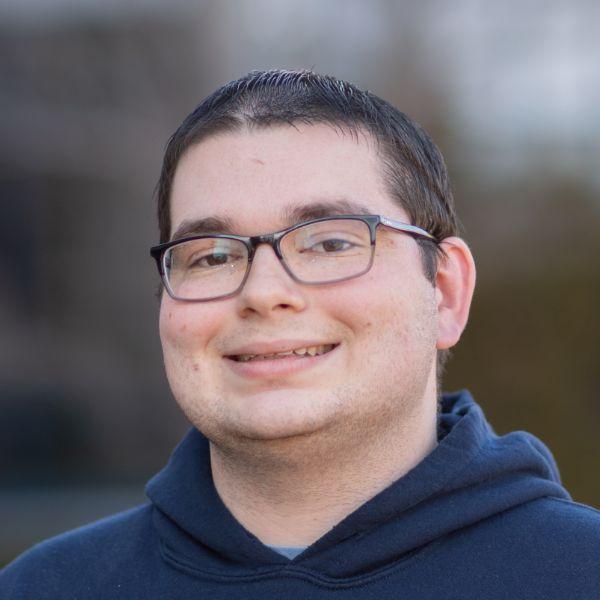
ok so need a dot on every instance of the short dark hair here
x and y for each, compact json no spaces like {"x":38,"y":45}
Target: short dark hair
{"x":413,"y":168}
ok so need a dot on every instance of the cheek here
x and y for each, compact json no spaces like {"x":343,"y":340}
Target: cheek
{"x":186,"y":332}
{"x":385,"y":313}
{"x":365,"y":303}
{"x":185,"y":328}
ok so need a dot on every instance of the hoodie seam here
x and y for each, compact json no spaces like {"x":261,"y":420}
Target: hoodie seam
{"x":582,"y":507}
{"x":293,"y":571}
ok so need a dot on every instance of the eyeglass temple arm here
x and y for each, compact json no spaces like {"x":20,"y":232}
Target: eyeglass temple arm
{"x":406,"y":227}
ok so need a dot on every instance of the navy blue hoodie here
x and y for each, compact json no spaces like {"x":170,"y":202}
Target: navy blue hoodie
{"x":482,"y":517}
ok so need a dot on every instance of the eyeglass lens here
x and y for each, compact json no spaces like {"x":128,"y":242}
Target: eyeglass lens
{"x":320,"y":252}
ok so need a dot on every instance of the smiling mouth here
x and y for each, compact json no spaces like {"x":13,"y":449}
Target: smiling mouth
{"x":297,"y":352}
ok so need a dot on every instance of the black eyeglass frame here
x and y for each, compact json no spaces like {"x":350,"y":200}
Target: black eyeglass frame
{"x":274,"y":240}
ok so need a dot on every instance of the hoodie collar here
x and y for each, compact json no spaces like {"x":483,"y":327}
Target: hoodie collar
{"x":471,"y":475}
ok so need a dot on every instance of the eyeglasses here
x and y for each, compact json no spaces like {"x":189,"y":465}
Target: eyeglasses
{"x":320,"y":251}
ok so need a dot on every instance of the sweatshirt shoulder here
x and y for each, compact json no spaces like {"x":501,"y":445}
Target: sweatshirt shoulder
{"x":558,"y":515}
{"x":554,"y":524}
{"x":63,"y":562}
{"x":545,"y":548}
{"x":552,"y":536}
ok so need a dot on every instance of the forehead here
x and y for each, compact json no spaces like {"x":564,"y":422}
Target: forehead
{"x":260,"y":180}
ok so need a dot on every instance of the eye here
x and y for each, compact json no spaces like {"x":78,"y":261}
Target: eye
{"x":215,"y":259}
{"x":332,"y":245}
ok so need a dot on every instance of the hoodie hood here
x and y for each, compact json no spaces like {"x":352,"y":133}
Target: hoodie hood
{"x":472,"y":475}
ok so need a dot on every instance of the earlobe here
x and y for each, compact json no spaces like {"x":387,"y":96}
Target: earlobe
{"x":455,"y":283}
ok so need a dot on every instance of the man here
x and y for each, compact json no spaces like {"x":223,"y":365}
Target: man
{"x":313,"y":282}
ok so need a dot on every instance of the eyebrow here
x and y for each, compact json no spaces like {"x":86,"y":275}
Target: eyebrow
{"x":189,"y":227}
{"x":291,"y":215}
{"x":306,"y":212}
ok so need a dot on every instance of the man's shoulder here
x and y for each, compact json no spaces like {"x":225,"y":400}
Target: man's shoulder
{"x":549,"y":523}
{"x":547,"y":534}
{"x":79,"y":555}
{"x":544,"y":548}
{"x":558,"y":517}
{"x":570,"y":532}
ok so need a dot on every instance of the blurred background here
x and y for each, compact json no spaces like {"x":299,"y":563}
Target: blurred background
{"x":89,"y":94}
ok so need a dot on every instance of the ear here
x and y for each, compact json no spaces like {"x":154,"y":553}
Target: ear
{"x":455,"y":282}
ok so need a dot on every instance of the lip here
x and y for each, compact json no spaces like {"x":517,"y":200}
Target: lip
{"x":277,"y":367}
{"x":275,"y":347}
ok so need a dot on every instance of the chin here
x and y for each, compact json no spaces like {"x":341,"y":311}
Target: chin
{"x":273,"y":429}
{"x":265,"y":430}
{"x":267,"y":418}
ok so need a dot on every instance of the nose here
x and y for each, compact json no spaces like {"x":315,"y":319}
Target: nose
{"x":269,"y":289}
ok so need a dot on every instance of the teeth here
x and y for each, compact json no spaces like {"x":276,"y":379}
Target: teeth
{"x":245,"y":357}
{"x":310,"y":350}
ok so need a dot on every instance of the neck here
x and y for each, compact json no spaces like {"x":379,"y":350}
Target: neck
{"x":291,"y":492}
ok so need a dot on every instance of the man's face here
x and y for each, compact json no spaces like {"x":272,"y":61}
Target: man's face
{"x":382,"y":325}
